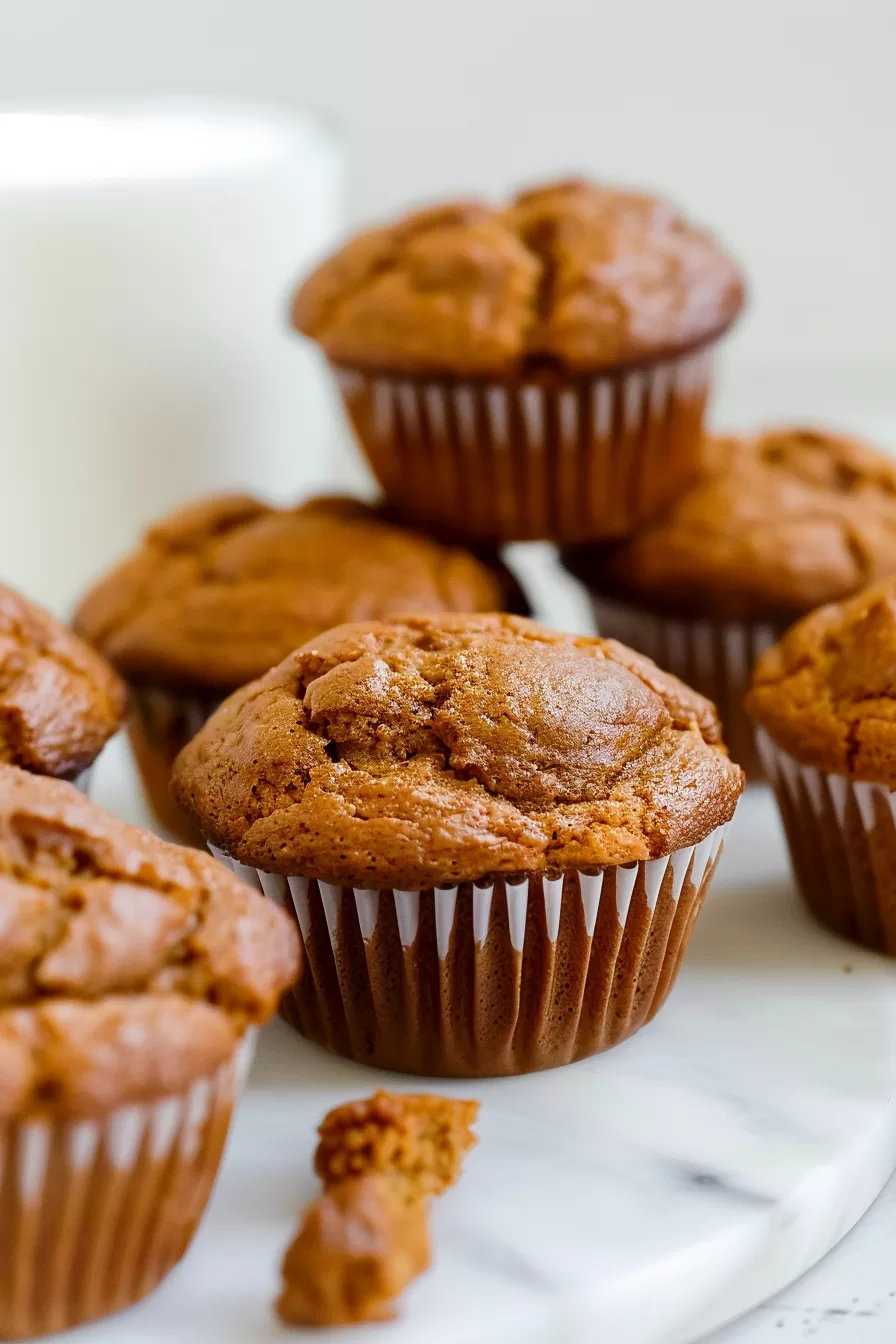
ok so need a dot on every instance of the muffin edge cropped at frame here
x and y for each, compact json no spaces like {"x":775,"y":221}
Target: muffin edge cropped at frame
{"x":60,"y":701}
{"x":824,"y":699}
{"x":134,"y":976}
{"x":376,"y":787}
{"x":776,"y":523}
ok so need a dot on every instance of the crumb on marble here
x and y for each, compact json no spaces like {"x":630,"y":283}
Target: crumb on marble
{"x":419,"y":1137}
{"x":363,"y":1240}
{"x":359,"y":1245}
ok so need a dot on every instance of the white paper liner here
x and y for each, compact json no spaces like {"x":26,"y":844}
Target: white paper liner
{"x":716,"y":658}
{"x":841,"y":834}
{"x":94,"y":1213}
{"x":504,"y":462}
{"x":490,"y":978}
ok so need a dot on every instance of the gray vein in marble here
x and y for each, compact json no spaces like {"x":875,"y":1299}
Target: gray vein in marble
{"x":492,"y":1256}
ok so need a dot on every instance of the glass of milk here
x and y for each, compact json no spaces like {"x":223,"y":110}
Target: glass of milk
{"x":147,"y":257}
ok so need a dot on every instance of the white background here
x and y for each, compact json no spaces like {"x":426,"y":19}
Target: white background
{"x":774,"y":121}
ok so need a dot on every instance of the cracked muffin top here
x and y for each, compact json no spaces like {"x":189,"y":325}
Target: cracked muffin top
{"x":573,"y":275}
{"x":223,"y":589}
{"x":437,"y":750}
{"x":128,"y":967}
{"x":59,"y":701}
{"x":826,"y":692}
{"x":776,"y":524}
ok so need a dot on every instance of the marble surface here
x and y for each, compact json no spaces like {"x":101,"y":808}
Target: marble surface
{"x":645,"y":1197}
{"x":849,"y":1298}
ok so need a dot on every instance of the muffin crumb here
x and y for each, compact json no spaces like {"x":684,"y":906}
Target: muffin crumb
{"x":359,"y":1245}
{"x":363,"y":1240}
{"x":419,"y":1139}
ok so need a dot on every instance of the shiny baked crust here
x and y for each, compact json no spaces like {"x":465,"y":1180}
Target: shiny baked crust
{"x":59,"y":701}
{"x":573,"y":275}
{"x":776,"y":524}
{"x":128,"y":967}
{"x":826,"y":692}
{"x":437,"y":750}
{"x":223,"y":589}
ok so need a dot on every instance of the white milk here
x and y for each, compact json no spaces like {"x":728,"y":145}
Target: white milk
{"x":147,"y":254}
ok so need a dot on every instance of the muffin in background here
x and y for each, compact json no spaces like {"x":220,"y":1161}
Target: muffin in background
{"x":776,"y":524}
{"x":132,"y":978}
{"x":534,"y":371}
{"x":60,"y":702}
{"x":223,"y":589}
{"x":825,"y":702}
{"x":495,"y":838}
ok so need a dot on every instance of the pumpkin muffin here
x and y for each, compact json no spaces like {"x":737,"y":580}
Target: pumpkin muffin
{"x":776,"y":524}
{"x":495,"y":838}
{"x":59,"y":701}
{"x":223,"y":589}
{"x":825,"y":701}
{"x":530,"y":371}
{"x":132,"y":975}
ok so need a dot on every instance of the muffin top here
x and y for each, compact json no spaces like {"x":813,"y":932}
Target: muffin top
{"x":437,"y":750}
{"x":59,"y":700}
{"x":224,"y":588}
{"x":775,"y":525}
{"x":573,"y":275}
{"x":826,"y":692}
{"x":128,"y":967}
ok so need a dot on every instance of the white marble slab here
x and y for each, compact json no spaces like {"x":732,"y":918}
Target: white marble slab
{"x":849,"y":1298}
{"x":644,"y":1197}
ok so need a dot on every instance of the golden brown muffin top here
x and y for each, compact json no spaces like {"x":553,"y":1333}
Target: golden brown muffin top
{"x":128,"y":967}
{"x":826,"y":692}
{"x":776,"y":524}
{"x":573,"y":274}
{"x":437,"y":750}
{"x":59,"y":701}
{"x":223,"y":589}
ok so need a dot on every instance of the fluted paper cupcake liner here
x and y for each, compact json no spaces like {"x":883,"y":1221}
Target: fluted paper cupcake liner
{"x":483,"y":980}
{"x":841,"y":834}
{"x":94,"y":1213}
{"x":162,"y":721}
{"x":715,"y":657}
{"x":567,"y":462}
